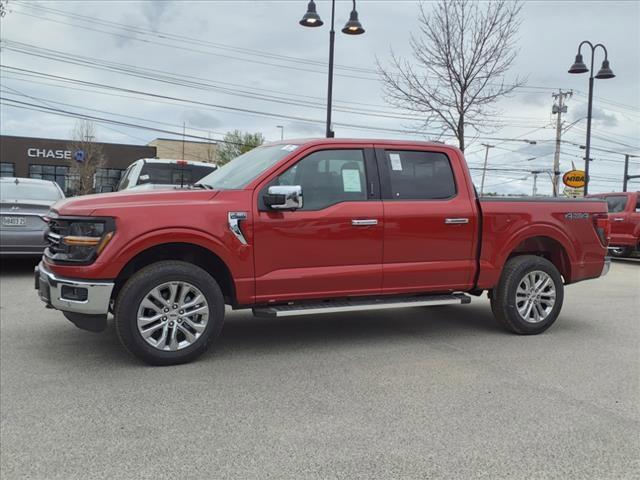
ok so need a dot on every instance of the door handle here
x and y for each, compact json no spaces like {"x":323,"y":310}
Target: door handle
{"x":618,"y":219}
{"x":456,"y":221}
{"x":364,"y":223}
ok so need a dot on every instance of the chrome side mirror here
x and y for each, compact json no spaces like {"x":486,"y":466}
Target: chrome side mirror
{"x":283,"y":197}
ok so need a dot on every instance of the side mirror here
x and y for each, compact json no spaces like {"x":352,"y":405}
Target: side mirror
{"x":106,"y":188}
{"x":285,"y":197}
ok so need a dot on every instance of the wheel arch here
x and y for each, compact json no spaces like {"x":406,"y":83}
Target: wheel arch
{"x":547,"y":247}
{"x":183,"y":251}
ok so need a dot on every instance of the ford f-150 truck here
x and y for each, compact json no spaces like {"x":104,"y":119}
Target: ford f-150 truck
{"x":624,"y":213}
{"x":311,"y":227}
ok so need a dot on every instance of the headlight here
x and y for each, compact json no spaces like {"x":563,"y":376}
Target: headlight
{"x":78,"y":240}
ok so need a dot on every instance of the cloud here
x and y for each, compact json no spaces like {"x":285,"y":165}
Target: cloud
{"x":597,"y":115}
{"x":200,"y":119}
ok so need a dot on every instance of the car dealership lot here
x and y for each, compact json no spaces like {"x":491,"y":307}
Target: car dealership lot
{"x":420,"y":393}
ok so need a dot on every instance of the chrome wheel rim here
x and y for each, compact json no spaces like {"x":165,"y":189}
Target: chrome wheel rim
{"x":535,"y":296}
{"x":172,"y":316}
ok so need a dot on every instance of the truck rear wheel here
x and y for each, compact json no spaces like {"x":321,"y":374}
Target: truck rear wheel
{"x":169,"y":312}
{"x":529,"y":295}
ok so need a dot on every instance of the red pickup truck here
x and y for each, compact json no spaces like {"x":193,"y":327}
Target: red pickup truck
{"x":310,"y":227}
{"x":624,"y":214}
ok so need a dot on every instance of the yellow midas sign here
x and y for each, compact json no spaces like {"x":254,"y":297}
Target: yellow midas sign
{"x":574,"y":179}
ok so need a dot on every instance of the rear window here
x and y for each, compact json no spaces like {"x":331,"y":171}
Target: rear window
{"x":616,"y":204}
{"x":29,"y":191}
{"x":173,"y":174}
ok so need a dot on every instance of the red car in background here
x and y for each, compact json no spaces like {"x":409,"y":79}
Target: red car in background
{"x":624,"y":214}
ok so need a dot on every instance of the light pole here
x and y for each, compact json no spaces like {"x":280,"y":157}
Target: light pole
{"x":604,"y":73}
{"x":352,"y":27}
{"x":281,"y":127}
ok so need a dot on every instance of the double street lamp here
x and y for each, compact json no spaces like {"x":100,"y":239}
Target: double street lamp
{"x":604,"y":73}
{"x":352,"y":27}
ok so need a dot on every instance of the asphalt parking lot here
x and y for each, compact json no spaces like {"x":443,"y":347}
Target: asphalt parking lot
{"x":423,"y":393}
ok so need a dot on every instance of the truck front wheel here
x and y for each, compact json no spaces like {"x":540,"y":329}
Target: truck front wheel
{"x":169,"y":312}
{"x":529,"y":295}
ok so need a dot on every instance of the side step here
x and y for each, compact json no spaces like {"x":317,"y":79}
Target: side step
{"x":336,"y":306}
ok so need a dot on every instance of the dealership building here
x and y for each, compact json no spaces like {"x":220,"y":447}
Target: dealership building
{"x":51,"y":159}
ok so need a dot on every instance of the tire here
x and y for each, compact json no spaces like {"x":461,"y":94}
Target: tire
{"x":621,"y":252}
{"x":512,"y":294}
{"x":177,"y":335}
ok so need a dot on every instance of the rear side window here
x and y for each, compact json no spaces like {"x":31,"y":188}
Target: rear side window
{"x":415,"y":175}
{"x":616,"y":204}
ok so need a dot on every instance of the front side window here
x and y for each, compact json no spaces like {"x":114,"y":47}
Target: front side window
{"x":616,"y":204}
{"x":328,"y":177}
{"x":416,"y":175}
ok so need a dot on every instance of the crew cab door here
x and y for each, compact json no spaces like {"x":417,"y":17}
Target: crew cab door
{"x":332,"y":246}
{"x":431,"y":231}
{"x":620,"y":218}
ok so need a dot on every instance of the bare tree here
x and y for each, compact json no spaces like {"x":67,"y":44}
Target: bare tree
{"x":88,"y":157}
{"x":464,"y":49}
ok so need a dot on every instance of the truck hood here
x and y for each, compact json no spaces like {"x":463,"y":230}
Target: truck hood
{"x":88,"y":204}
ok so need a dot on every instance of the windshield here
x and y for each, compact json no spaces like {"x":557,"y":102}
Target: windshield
{"x":243,"y":169}
{"x":29,"y":191}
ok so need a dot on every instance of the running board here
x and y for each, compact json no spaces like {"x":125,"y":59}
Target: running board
{"x":337,"y":306}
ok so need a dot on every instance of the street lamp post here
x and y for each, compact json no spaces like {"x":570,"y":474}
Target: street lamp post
{"x":352,"y":27}
{"x":604,"y":73}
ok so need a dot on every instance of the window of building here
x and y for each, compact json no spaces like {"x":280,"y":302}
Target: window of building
{"x":415,"y":175}
{"x":56,"y":173}
{"x":328,"y":177}
{"x":107,"y":176}
{"x":7,"y":169}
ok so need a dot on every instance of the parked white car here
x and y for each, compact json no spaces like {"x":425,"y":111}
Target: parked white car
{"x":152,"y":173}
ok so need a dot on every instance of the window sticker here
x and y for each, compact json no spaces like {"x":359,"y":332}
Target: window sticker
{"x":144,"y":177}
{"x":289,"y":148}
{"x":396,"y":164}
{"x":351,"y":180}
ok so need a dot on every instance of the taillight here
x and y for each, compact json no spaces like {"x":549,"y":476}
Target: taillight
{"x":603,"y":227}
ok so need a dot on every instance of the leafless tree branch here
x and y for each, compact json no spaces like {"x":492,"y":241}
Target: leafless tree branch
{"x":459,"y":60}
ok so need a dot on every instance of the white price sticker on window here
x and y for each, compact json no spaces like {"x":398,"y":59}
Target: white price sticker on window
{"x":396,"y":163}
{"x":351,"y":181}
{"x":289,"y":148}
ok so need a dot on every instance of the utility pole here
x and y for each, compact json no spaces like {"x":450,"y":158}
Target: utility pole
{"x":558,"y":108}
{"x":627,"y":177}
{"x":484,"y":169}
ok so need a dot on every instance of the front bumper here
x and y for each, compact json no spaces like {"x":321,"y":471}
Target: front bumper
{"x":50,"y":289}
{"x":606,"y":267}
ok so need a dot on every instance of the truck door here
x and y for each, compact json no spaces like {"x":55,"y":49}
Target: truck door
{"x":430,"y":220}
{"x":620,"y":218}
{"x":332,"y":246}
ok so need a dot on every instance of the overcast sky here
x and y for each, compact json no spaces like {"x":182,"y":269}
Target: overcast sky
{"x":254,"y":56}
